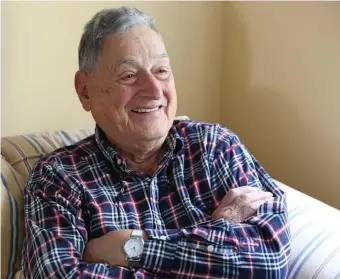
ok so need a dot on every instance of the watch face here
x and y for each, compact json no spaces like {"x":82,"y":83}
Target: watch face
{"x":133,"y":247}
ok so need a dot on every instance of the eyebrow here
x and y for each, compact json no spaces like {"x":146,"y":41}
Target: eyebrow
{"x":125,"y":61}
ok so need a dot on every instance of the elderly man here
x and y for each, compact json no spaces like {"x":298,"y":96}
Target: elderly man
{"x":147,"y":196}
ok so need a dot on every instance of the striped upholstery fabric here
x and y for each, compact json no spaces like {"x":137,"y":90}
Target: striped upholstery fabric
{"x":315,"y":226}
{"x":22,"y":152}
{"x":12,"y":225}
{"x":315,"y":232}
{"x":18,"y":156}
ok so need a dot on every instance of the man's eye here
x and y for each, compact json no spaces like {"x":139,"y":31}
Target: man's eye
{"x":128,"y":77}
{"x":162,"y":71}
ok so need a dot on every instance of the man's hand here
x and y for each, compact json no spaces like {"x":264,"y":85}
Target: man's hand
{"x":241,"y":203}
{"x":107,"y":249}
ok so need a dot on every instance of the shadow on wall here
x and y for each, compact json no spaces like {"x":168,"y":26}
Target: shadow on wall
{"x":270,"y":125}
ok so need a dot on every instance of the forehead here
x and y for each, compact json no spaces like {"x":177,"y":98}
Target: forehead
{"x":139,"y":41}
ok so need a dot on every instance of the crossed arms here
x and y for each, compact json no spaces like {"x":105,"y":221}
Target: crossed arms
{"x":254,"y":243}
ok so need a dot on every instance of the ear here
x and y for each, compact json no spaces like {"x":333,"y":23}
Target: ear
{"x":81,"y":79}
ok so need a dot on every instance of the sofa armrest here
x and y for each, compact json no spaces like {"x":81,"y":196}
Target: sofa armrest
{"x":315,"y":235}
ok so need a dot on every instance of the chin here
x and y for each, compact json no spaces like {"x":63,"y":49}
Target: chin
{"x":154,"y":130}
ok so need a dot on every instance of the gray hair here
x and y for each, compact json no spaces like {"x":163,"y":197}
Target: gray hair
{"x":106,"y":22}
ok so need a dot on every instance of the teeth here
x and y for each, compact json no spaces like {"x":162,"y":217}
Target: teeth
{"x":146,"y":110}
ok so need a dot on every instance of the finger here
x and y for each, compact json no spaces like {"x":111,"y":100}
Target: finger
{"x":256,"y":196}
{"x":232,"y":194}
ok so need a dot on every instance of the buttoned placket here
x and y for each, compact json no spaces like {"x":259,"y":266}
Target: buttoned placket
{"x":154,"y":197}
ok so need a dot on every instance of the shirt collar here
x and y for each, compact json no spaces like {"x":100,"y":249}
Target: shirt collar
{"x":173,"y":146}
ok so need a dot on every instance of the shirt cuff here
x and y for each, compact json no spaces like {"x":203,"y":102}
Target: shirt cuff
{"x":159,"y":256}
{"x":169,"y":235}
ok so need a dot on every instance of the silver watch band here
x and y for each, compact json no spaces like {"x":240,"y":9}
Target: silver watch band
{"x":137,"y":233}
{"x":134,"y":263}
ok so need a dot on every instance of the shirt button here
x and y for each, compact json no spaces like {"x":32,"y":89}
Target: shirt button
{"x":163,"y":237}
{"x":210,"y":248}
{"x":119,"y":161}
{"x":159,"y":222}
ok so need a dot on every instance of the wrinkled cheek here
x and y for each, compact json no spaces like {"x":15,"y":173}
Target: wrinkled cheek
{"x":100,"y":108}
{"x":108,"y":112}
{"x":107,"y":90}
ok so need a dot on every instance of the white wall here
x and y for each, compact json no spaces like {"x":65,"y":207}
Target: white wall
{"x":281,"y":91}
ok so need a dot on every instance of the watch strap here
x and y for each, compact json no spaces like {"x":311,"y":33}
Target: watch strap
{"x":137,"y":233}
{"x":135,"y":262}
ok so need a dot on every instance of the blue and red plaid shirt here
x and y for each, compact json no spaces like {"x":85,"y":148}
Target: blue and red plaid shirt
{"x":86,"y":190}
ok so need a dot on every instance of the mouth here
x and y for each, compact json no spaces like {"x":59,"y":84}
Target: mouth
{"x":146,"y":110}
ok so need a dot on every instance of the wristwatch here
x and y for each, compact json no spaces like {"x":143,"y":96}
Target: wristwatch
{"x":133,"y":248}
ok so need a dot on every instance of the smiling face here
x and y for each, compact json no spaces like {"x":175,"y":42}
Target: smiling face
{"x":132,"y":95}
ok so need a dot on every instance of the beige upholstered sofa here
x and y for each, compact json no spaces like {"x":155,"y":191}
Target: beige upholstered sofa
{"x":315,"y":226}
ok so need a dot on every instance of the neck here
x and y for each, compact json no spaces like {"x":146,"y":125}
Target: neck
{"x":142,"y":157}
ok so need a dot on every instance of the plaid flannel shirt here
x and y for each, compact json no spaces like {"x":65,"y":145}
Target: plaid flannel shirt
{"x":86,"y":190}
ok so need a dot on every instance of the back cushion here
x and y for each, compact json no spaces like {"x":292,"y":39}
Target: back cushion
{"x":22,"y":152}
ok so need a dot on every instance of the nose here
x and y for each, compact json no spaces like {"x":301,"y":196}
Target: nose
{"x":151,"y":87}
